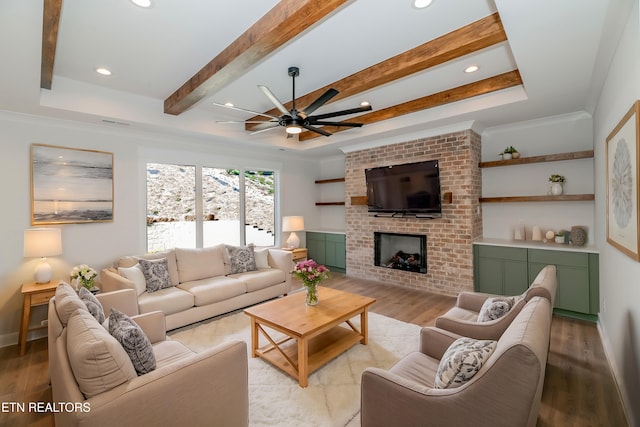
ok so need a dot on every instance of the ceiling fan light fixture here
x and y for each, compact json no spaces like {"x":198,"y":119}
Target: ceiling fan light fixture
{"x":293,"y":129}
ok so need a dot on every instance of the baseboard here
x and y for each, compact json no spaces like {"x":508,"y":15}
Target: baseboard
{"x":7,"y":340}
{"x":613,"y":367}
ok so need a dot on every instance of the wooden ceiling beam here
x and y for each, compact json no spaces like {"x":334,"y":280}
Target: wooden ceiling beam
{"x":491,"y":84}
{"x":50,"y":22}
{"x":478,"y":35}
{"x":285,"y":21}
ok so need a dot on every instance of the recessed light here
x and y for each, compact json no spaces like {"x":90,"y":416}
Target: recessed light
{"x":142,"y":3}
{"x":228,"y":104}
{"x":421,"y":4}
{"x":471,"y":69}
{"x":364,"y":103}
{"x":103,"y":71}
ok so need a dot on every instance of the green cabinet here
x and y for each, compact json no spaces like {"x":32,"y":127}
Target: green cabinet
{"x":499,"y":270}
{"x":328,"y":249}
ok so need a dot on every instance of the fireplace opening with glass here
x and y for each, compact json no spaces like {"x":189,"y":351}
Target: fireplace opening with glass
{"x":401,"y":251}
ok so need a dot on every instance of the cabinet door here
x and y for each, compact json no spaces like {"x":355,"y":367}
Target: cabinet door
{"x":335,"y":251}
{"x":501,"y":270}
{"x":316,"y":247}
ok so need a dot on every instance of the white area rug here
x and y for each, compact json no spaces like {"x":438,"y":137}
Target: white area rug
{"x":332,"y":398}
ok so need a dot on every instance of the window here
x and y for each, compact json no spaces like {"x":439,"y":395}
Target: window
{"x":236,"y":206}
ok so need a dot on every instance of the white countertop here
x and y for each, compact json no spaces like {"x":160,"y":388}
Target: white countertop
{"x":532,"y":244}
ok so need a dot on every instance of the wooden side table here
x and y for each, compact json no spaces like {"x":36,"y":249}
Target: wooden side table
{"x":299,"y":254}
{"x":33,"y":294}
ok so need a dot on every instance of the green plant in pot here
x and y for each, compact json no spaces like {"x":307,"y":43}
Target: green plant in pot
{"x":510,"y":153}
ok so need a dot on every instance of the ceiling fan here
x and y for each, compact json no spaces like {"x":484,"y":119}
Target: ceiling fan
{"x":295,"y":120}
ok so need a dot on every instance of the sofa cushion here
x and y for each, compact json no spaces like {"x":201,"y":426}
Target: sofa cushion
{"x":98,"y":361}
{"x":242,"y":259}
{"x":136,"y":275}
{"x":169,"y":301}
{"x":169,"y":351}
{"x":130,"y":261}
{"x":256,"y":280}
{"x":200,"y":263}
{"x":133,"y":340}
{"x":214,"y":289}
{"x":262,"y":258}
{"x":494,"y":308}
{"x":156,"y":274}
{"x":91,"y":302}
{"x":462,"y":360}
{"x":67,"y":302}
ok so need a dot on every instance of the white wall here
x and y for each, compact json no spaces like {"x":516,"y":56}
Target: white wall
{"x":100,"y":244}
{"x":552,"y":135}
{"x":619,"y":274}
{"x":331,"y":218}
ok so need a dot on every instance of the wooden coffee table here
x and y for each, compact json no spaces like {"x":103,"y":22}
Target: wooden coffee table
{"x":313,"y":335}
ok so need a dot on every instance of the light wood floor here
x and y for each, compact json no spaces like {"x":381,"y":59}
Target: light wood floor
{"x":579,"y":389}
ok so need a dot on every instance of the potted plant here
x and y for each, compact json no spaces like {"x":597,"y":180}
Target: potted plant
{"x":510,"y":153}
{"x":556,"y":184}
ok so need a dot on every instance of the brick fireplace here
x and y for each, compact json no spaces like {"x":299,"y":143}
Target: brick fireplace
{"x":449,"y":239}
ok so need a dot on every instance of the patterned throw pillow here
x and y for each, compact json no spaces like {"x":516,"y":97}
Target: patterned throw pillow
{"x":156,"y":273}
{"x":133,"y":340}
{"x":242,"y":259}
{"x":92,"y":303}
{"x":462,"y":360}
{"x":494,"y":308}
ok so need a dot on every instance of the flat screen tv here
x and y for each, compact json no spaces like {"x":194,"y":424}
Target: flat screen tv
{"x":410,"y":188}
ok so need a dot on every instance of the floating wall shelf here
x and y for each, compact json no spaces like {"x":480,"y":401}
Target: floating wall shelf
{"x":562,"y":198}
{"x":538,"y":159}
{"x":329,"y":181}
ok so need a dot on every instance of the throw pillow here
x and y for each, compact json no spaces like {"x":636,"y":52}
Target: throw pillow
{"x":242,"y":259}
{"x":92,"y":303}
{"x":494,"y":308}
{"x":262,"y":258}
{"x":462,"y":360}
{"x":156,"y":274}
{"x":67,"y":302}
{"x":134,"y":341}
{"x":136,"y":275}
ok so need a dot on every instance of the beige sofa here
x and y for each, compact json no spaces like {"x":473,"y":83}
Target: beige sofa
{"x":203,"y":284}
{"x":94,"y":380}
{"x":462,"y":319}
{"x":505,"y":391}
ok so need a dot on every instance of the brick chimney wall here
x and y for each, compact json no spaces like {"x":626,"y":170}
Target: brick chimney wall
{"x":449,"y":239}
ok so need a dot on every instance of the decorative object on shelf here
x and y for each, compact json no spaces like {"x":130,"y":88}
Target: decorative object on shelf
{"x":510,"y":153}
{"x":550,"y":235}
{"x":519,"y":232}
{"x":292,"y":224}
{"x":42,"y":242}
{"x":560,"y":236}
{"x":84,"y":276}
{"x":311,"y":273}
{"x":536,"y":233}
{"x":87,"y":197}
{"x":578,"y":236}
{"x":623,"y":145}
{"x":556,"y":184}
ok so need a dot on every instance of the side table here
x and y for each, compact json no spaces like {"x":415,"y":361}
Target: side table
{"x":299,"y":254}
{"x":33,"y":294}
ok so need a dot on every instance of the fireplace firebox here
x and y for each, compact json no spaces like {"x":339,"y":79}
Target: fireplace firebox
{"x":401,"y":251}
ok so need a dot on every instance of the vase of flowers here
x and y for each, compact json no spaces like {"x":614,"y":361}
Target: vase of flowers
{"x":556,"y":184}
{"x":84,"y":276}
{"x":311,"y":273}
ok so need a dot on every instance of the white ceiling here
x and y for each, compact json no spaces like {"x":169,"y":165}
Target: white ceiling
{"x":559,"y":48}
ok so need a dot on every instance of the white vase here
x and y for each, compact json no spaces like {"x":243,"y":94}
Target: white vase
{"x":507,"y":156}
{"x":556,"y":188}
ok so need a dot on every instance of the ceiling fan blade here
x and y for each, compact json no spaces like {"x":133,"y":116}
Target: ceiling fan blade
{"x":316,"y":130}
{"x":265,"y":129}
{"x":246,"y":111}
{"x":275,"y":100}
{"x":351,"y":124}
{"x":246,"y":121}
{"x":341,"y":113}
{"x":322,"y":99}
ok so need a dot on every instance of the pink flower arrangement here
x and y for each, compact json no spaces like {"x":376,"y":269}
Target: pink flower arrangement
{"x":310,"y":272}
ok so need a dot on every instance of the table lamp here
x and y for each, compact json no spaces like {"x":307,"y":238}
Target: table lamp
{"x":42,"y":242}
{"x":292,"y":224}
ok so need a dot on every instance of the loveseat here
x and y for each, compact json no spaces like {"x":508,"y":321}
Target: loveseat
{"x":202,"y":283}
{"x":505,"y":390}
{"x":95,"y":381}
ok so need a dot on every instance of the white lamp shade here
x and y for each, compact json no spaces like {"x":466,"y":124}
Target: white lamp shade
{"x":292,"y":223}
{"x":42,"y":242}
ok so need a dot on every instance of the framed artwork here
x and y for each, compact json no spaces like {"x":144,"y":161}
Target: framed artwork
{"x":622,"y":184}
{"x":70,"y":185}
